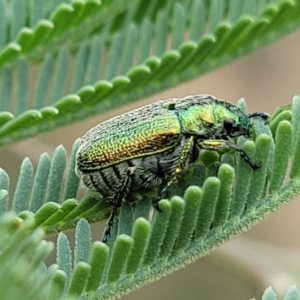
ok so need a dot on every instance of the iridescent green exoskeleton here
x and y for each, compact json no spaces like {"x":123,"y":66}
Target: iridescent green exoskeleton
{"x":151,"y":146}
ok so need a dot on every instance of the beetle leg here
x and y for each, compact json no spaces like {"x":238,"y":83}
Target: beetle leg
{"x":183,"y":159}
{"x":109,"y":224}
{"x":116,"y":201}
{"x":217,"y":144}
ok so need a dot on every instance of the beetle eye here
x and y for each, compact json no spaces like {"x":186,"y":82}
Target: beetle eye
{"x":228,"y":125}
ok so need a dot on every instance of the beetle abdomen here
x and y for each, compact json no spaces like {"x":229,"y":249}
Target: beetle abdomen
{"x":145,"y":172}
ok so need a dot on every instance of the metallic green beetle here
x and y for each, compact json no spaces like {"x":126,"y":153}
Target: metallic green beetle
{"x":151,"y":146}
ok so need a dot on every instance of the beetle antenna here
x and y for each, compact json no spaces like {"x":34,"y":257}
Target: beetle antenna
{"x":262,"y":115}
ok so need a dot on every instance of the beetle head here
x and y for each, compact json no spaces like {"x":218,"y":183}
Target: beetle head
{"x":241,"y":125}
{"x":230,"y":128}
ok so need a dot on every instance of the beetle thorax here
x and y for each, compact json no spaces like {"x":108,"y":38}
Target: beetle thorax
{"x":199,"y":120}
{"x":206,"y":121}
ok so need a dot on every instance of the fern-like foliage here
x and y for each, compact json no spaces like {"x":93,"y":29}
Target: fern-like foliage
{"x":23,"y":252}
{"x":62,"y":61}
{"x":88,"y":56}
{"x":217,"y":202}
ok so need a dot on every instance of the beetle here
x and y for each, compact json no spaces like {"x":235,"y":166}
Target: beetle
{"x":152,"y":146}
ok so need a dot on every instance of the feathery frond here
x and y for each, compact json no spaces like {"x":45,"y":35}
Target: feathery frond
{"x":62,"y":61}
{"x":141,"y":50}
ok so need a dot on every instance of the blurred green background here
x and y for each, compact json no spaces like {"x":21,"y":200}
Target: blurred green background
{"x":267,"y":255}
